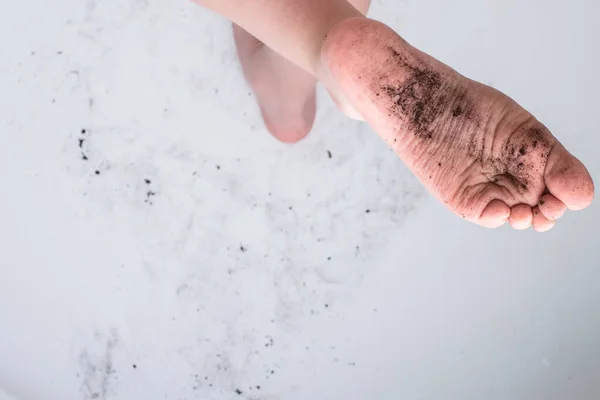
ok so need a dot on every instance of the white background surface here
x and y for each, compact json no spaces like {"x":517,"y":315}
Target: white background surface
{"x":325,"y":300}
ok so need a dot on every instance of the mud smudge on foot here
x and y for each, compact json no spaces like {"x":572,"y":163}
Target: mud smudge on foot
{"x":523,"y":150}
{"x":416,"y":99}
{"x":458,"y":111}
{"x":424,"y":96}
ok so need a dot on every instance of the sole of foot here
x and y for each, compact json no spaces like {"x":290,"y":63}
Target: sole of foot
{"x":480,"y":153}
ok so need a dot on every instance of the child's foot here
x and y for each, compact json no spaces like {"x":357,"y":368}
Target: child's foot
{"x":285,"y":92}
{"x":478,"y":151}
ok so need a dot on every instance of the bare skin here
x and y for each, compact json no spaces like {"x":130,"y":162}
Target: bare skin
{"x":285,"y":92}
{"x":475,"y":149}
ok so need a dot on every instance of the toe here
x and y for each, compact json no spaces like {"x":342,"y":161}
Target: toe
{"x":495,"y":214}
{"x":520,"y":217}
{"x":540,"y":223}
{"x":551,"y":207}
{"x":568,"y":179}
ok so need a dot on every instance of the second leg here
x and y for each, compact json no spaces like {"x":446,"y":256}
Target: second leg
{"x":285,"y":92}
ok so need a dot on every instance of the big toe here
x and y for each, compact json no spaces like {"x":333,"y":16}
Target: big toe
{"x":568,"y":180}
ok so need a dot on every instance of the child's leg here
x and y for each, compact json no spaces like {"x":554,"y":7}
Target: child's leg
{"x":285,"y":92}
{"x":478,"y":151}
{"x":293,"y":28}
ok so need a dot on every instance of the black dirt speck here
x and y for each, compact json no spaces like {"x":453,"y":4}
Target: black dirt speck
{"x":238,"y":392}
{"x":523,"y":150}
{"x":418,"y":99}
{"x":149,"y":195}
{"x":329,"y":154}
{"x":415,"y":99}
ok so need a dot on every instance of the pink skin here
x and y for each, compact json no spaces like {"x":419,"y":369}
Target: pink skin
{"x":285,"y":92}
{"x":474,"y":148}
{"x":487,"y":159}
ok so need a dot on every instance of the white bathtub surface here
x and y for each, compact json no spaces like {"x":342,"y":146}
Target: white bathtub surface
{"x":157,"y":243}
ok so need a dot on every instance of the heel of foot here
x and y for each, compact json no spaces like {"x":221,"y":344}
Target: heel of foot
{"x":346,"y":49}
